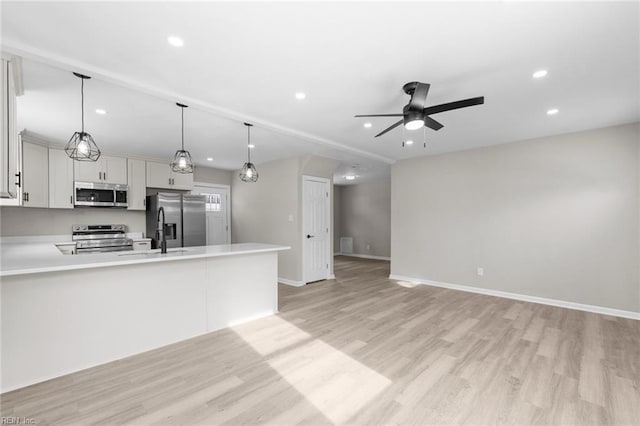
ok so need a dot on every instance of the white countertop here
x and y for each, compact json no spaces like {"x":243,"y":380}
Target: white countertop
{"x":20,"y":258}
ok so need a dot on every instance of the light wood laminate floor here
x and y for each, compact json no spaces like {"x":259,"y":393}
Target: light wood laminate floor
{"x":363,"y":349}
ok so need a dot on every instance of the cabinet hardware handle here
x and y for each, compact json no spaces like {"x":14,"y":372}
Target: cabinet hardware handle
{"x":105,"y":175}
{"x":169,"y":181}
{"x":99,"y":175}
{"x":144,"y":202}
{"x":19,"y":182}
{"x":70,"y":199}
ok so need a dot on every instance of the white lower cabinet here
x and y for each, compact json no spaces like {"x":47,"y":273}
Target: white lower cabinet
{"x":35,"y":178}
{"x":60,"y":179}
{"x":142,"y":244}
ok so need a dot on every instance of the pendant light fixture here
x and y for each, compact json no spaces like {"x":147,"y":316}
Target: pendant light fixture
{"x":81,"y":146}
{"x":182,"y":162}
{"x":248,"y":172}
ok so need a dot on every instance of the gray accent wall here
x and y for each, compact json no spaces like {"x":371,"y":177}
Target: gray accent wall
{"x":364,"y":214}
{"x":556,"y":217}
{"x":212,"y":175}
{"x":270,"y":210}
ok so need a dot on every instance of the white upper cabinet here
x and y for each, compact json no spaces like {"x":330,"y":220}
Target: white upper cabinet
{"x":10,"y":155}
{"x":35,"y":165}
{"x":60,"y":179}
{"x":107,"y":169}
{"x":160,"y":175}
{"x":137,"y":181}
{"x":88,"y":171}
{"x":115,"y":170}
{"x":182,"y":181}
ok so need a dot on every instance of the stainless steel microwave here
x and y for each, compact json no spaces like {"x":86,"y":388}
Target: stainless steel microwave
{"x":89,"y":194}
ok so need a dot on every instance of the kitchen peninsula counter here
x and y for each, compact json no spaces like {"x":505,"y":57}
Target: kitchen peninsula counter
{"x":63,"y":313}
{"x":39,"y":257}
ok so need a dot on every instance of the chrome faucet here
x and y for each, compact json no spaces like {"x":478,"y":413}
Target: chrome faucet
{"x":160,"y":231}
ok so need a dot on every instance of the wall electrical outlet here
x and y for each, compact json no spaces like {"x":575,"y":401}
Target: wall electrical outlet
{"x":480,"y":271}
{"x":368,"y":246}
{"x":290,"y":218}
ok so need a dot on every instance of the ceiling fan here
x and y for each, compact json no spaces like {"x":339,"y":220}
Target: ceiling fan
{"x":415,"y":114}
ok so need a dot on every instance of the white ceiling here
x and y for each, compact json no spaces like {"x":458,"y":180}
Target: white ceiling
{"x":245,"y":61}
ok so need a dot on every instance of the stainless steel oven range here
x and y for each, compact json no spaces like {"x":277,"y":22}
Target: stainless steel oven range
{"x":101,"y":238}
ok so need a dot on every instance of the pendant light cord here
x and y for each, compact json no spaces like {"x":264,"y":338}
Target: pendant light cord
{"x":182,"y":108}
{"x":82,"y":97}
{"x":249,"y":143}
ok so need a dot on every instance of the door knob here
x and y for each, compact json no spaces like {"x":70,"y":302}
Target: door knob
{"x":309,"y":236}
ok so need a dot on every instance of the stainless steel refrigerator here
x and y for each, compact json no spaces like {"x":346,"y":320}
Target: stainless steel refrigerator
{"x":184,"y":215}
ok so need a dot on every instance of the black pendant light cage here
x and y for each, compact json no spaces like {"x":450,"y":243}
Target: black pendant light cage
{"x":81,"y":146}
{"x":182,"y":162}
{"x":249,"y":172}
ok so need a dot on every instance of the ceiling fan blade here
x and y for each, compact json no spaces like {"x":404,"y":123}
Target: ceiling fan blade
{"x":453,"y":105}
{"x":380,"y":115}
{"x":419,"y":97}
{"x":432,"y":124}
{"x":393,"y":126}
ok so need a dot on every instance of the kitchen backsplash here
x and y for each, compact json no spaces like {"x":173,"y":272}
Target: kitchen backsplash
{"x":16,"y":221}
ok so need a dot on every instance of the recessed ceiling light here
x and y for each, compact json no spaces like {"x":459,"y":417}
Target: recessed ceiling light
{"x":300,"y":95}
{"x":349,"y":177}
{"x":367,"y":125}
{"x":251,"y":145}
{"x":175,"y":41}
{"x":209,"y":158}
{"x":540,"y":74}
{"x":409,"y":142}
{"x":552,"y":111}
{"x":101,"y":111}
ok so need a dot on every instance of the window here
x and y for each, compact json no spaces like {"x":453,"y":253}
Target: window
{"x":214,"y":202}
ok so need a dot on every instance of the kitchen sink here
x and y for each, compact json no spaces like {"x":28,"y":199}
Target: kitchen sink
{"x":149,"y":253}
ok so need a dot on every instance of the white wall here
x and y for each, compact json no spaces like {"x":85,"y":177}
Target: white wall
{"x":556,"y":217}
{"x":365,"y":215}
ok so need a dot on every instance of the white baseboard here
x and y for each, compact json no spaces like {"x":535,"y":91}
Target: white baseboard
{"x":523,"y":297}
{"x":363,"y":256}
{"x":290,"y":282}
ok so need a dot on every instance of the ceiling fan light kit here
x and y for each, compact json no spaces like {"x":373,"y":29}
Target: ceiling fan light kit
{"x":249,"y":172}
{"x":182,"y":162}
{"x":81,"y":146}
{"x":416,"y":114}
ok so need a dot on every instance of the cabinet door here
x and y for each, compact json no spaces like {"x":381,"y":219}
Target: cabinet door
{"x":182,"y":181}
{"x":158,"y":175}
{"x":10,"y":149}
{"x":88,"y":171}
{"x":35,"y":166}
{"x":60,"y":180}
{"x":114,"y":169}
{"x":137,"y":181}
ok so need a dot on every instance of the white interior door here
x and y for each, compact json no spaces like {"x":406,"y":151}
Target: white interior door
{"x":217,"y":213}
{"x":315,"y":206}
